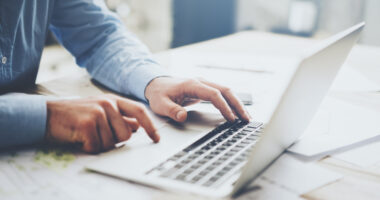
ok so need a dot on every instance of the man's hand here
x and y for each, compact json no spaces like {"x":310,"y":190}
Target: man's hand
{"x":97,"y":123}
{"x":167,"y":95}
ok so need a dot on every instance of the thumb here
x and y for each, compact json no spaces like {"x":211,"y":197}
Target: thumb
{"x":174,"y":111}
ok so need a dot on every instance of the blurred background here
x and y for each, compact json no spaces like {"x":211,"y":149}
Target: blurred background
{"x":165,"y":24}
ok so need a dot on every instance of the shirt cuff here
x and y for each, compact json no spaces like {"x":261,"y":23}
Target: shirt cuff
{"x":25,"y":121}
{"x":141,"y":76}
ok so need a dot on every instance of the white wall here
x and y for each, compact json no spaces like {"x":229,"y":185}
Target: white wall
{"x":150,"y":20}
{"x":371,"y":34}
{"x":262,"y":14}
{"x":335,"y":15}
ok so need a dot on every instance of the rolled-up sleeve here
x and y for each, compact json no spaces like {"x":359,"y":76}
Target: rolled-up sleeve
{"x":100,"y":43}
{"x":22,"y":119}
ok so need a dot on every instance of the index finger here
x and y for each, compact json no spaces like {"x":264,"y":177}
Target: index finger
{"x":138,"y":111}
{"x":205,"y":92}
{"x":231,"y":99}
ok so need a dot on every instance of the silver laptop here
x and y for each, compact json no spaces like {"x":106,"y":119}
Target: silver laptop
{"x":222,"y":162}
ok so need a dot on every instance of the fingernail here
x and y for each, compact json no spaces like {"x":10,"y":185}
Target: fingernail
{"x":180,"y":114}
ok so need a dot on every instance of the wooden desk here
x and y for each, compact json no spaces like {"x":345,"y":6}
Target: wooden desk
{"x":358,"y":183}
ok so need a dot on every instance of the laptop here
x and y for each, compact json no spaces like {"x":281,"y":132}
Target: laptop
{"x":225,"y":160}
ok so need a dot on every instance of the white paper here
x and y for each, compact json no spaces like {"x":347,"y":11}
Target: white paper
{"x":31,"y":174}
{"x":288,"y":178}
{"x":338,"y":126}
{"x":297,"y":176}
{"x":366,"y":156}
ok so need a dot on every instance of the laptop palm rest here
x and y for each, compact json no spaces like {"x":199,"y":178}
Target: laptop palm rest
{"x":139,"y":154}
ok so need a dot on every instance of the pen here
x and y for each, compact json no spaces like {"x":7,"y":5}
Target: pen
{"x":234,"y":68}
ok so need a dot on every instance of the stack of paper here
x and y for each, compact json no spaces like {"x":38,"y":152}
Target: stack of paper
{"x":366,"y":156}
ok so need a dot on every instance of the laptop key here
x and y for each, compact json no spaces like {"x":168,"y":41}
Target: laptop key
{"x":196,"y":178}
{"x":249,"y":129}
{"x":178,"y":155}
{"x":181,"y":177}
{"x":236,"y":137}
{"x":216,"y":152}
{"x":216,"y":163}
{"x":207,"y":147}
{"x":223,"y":158}
{"x":199,"y":152}
{"x":227,"y":144}
{"x":204,"y":172}
{"x":220,"y":173}
{"x":169,"y":172}
{"x":203,"y":161}
{"x":245,"y":142}
{"x":208,"y":183}
{"x":184,"y":162}
{"x":188,"y":171}
{"x":221,"y":148}
{"x":214,"y":178}
{"x":195,"y":166}
{"x":243,"y":133}
{"x":254,"y":124}
{"x":251,"y":138}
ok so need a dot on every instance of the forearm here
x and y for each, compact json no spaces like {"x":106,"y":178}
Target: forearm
{"x":122,"y":62}
{"x":22,"y":119}
{"x":100,"y":43}
{"x":124,"y":69}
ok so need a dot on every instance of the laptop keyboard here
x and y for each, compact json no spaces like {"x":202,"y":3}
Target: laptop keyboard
{"x":214,"y":157}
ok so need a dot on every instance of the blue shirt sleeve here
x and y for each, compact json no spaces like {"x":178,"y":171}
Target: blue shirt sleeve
{"x":22,"y":119}
{"x":100,"y":42}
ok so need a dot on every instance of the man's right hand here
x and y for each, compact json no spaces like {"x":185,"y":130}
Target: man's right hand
{"x":97,"y":123}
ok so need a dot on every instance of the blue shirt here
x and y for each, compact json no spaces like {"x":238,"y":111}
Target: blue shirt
{"x":93,"y":35}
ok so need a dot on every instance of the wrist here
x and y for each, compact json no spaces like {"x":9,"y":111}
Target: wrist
{"x":153,"y":86}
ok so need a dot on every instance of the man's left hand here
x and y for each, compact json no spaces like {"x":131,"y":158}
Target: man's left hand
{"x":167,"y":96}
